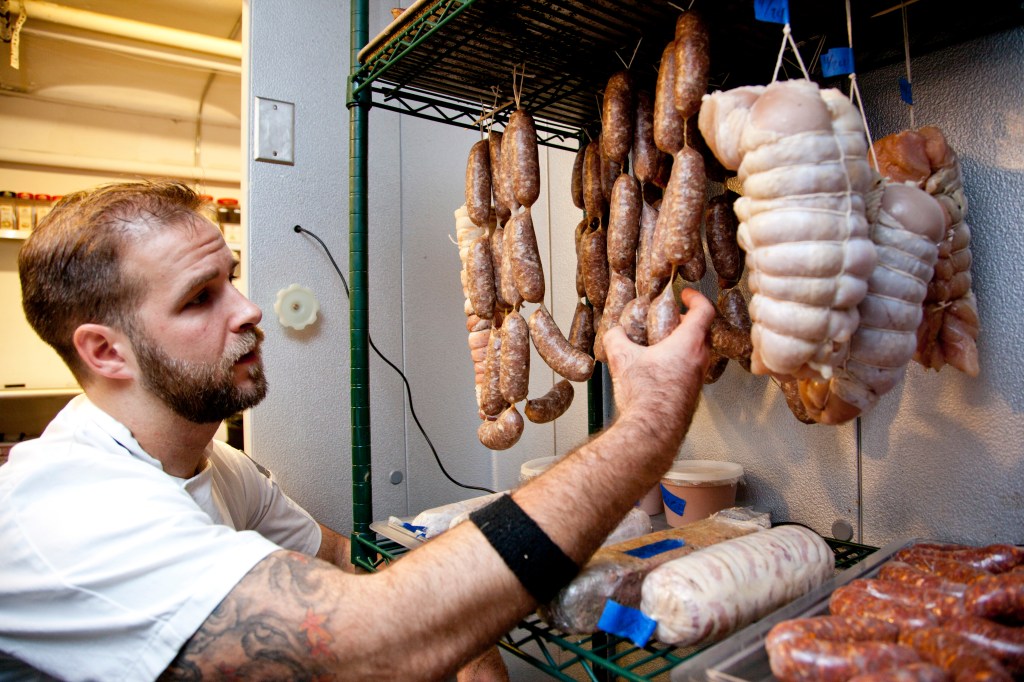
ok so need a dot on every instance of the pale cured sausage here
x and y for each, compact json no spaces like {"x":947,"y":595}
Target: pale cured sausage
{"x":514,"y":379}
{"x":527,"y":271}
{"x":594,"y":254}
{"x":557,"y":352}
{"x":491,"y":400}
{"x":478,"y":183}
{"x":646,"y":155}
{"x":617,"y":117}
{"x":552,"y":404}
{"x":692,"y":63}
{"x":480,"y":277}
{"x":624,"y":223}
{"x":668,"y":122}
{"x":502,"y":432}
{"x":682,"y":209}
{"x":662,"y":317}
{"x":634,"y":319}
{"x":525,"y":160}
{"x":581,"y":333}
{"x":499,"y":191}
{"x":593,"y":196}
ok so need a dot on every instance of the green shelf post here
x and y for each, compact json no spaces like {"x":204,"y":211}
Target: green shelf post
{"x":358,"y":106}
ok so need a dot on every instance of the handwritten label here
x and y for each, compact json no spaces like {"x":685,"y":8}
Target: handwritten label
{"x":906,"y":91}
{"x":837,"y":61}
{"x":773,"y":11}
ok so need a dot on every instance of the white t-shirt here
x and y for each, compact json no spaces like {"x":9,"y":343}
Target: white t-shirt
{"x":107,"y":564}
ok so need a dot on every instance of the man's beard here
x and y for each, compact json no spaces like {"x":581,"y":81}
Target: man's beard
{"x":200,"y":392}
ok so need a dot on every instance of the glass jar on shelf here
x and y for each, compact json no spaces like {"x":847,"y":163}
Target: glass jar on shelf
{"x":229,"y":214}
{"x":8,"y":219}
{"x":43,"y":206}
{"x":24,"y":209}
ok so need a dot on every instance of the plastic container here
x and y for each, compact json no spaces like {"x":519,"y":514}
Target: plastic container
{"x":535,"y":467}
{"x":651,"y":502}
{"x":697,"y":488}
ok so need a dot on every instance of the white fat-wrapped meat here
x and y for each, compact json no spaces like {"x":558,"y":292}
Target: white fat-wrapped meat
{"x":949,"y":328}
{"x":802,"y":162}
{"x":713,"y":592}
{"x":909,"y":226}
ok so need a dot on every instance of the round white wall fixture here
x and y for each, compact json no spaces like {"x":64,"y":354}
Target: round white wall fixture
{"x":296,"y":307}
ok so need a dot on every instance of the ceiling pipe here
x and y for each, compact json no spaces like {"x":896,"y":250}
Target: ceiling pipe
{"x":127,"y":28}
{"x":199,"y":63}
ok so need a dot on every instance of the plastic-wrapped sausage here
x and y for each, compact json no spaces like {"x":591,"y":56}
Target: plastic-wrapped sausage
{"x":912,"y":672}
{"x":646,"y":155}
{"x":617,"y":117}
{"x":997,"y":558}
{"x":964,"y":659}
{"x":581,"y":333}
{"x":692,"y":63}
{"x":634,"y":319}
{"x":502,"y":432}
{"x":480,"y":277}
{"x":552,"y":404}
{"x":556,"y":351}
{"x":950,"y":569}
{"x":833,"y":629}
{"x":624,"y":223}
{"x":525,"y":160}
{"x":514,"y":379}
{"x":662,"y":317}
{"x":499,"y":191}
{"x":478,"y":183}
{"x":491,"y":400}
{"x":594,"y":254}
{"x":814,"y":660}
{"x":708,"y":594}
{"x":668,"y":122}
{"x":905,"y":573}
{"x":720,"y":226}
{"x":997,"y":596}
{"x":851,"y":600}
{"x":577,"y":178}
{"x":527,"y":271}
{"x":940,"y":604}
{"x":1004,"y":642}
{"x":682,"y":208}
{"x":593,"y":196}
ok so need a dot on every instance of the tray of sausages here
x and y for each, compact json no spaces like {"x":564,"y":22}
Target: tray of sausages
{"x":912,"y":611}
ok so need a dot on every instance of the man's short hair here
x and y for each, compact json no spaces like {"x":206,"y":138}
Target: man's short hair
{"x":70,"y":267}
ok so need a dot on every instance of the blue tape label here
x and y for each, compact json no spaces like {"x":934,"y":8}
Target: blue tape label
{"x":773,"y":11}
{"x":676,"y":505}
{"x":626,"y":622}
{"x":419,"y":531}
{"x":837,"y":61}
{"x":656,"y":548}
{"x":906,"y":91}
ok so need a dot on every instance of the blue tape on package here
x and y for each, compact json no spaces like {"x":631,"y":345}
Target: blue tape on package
{"x":656,"y":548}
{"x":626,"y":622}
{"x":418,"y":531}
{"x":772,"y":11}
{"x":906,"y":91}
{"x":838,"y":61}
{"x":676,"y":505}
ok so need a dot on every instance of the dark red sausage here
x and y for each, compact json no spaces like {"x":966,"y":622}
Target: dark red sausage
{"x":957,"y":654}
{"x":940,"y":604}
{"x":905,"y":573}
{"x":852,"y":600}
{"x":807,"y":659}
{"x":933,"y":563}
{"x":997,"y":558}
{"x":1002,"y":641}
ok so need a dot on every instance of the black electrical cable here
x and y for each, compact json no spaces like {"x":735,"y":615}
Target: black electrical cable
{"x":408,"y":389}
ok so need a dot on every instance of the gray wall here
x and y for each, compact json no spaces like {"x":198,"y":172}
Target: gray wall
{"x":939,"y":457}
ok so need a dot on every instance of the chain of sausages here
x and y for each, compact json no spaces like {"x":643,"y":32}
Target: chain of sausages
{"x":933,"y":612}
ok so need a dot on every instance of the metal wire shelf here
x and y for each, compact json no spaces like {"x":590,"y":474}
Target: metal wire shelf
{"x":592,"y":657}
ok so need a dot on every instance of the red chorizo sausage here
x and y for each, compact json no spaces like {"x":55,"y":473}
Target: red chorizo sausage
{"x":617,"y":117}
{"x":999,"y":597}
{"x":557,"y":352}
{"x":997,"y":558}
{"x":1002,"y":641}
{"x":940,"y":604}
{"x":807,"y":659}
{"x":912,"y":672}
{"x":934,"y":563}
{"x":552,"y":404}
{"x":964,"y":659}
{"x":905,"y":573}
{"x":852,"y":600}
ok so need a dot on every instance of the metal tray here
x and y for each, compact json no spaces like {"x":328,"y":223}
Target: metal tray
{"x":742,"y":657}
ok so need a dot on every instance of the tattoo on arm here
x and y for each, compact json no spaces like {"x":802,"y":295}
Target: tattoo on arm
{"x":273,"y":625}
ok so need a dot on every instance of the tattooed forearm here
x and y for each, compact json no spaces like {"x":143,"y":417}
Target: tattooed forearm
{"x":273,"y":625}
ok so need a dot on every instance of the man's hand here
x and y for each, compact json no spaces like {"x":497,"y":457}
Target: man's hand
{"x":660,"y":378}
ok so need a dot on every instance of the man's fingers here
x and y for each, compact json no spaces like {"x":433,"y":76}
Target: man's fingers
{"x":697,"y":304}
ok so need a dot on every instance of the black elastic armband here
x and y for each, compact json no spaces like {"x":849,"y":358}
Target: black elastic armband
{"x":539,"y":564}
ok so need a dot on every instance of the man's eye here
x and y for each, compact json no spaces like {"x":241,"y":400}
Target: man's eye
{"x":199,"y":299}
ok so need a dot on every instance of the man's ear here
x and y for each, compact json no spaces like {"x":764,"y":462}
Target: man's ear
{"x":105,"y":351}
